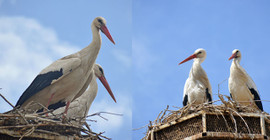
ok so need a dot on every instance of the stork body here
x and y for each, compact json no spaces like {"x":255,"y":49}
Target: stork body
{"x":197,"y":88}
{"x":79,"y":108}
{"x":66,"y":77}
{"x":242,"y":88}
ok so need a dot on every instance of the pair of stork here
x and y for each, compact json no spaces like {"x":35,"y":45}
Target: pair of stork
{"x":64,"y":82}
{"x":198,"y":90}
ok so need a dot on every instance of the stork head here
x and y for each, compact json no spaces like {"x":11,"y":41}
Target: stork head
{"x":236,"y":54}
{"x":199,"y":54}
{"x":100,"y":23}
{"x":99,"y":73}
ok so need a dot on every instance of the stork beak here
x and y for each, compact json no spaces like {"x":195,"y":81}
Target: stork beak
{"x":105,"y":30}
{"x":107,"y":86}
{"x":233,"y":56}
{"x":189,"y":58}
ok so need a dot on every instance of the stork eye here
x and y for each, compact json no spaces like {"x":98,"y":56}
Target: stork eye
{"x":100,"y":21}
{"x":101,"y":70}
{"x":199,"y":52}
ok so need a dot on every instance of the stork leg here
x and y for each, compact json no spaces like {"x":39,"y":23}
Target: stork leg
{"x":64,"y":118}
{"x":49,"y":103}
{"x":66,"y":109}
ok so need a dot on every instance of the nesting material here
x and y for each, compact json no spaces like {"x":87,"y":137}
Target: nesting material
{"x":209,"y":121}
{"x":19,"y":124}
{"x":33,"y":126}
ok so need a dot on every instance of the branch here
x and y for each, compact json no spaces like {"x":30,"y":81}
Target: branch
{"x":7,"y":100}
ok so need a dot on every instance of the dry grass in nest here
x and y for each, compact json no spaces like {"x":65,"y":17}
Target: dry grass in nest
{"x":19,"y":124}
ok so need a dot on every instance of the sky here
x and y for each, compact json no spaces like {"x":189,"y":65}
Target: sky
{"x":34,"y":33}
{"x":165,"y":33}
{"x":142,"y":68}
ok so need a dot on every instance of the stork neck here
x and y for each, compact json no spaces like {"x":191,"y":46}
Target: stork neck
{"x":196,"y":70}
{"x":91,"y":93}
{"x":236,"y":64}
{"x":96,"y":35}
{"x":236,"y":67}
{"x":198,"y":73}
{"x":89,"y":53}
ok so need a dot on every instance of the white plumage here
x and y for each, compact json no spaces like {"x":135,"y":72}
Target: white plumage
{"x":197,"y":88}
{"x":242,"y":88}
{"x":65,"y":78}
{"x":79,"y":108}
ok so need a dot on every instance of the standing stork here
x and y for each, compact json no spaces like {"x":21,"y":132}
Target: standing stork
{"x":79,"y":108}
{"x":242,"y":88}
{"x":64,"y":78}
{"x":197,"y":88}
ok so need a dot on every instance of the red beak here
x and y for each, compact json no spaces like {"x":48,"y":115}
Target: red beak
{"x":107,"y":86}
{"x":233,"y":56}
{"x":105,"y":30}
{"x":189,"y":58}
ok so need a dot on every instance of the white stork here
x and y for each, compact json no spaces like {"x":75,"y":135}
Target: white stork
{"x":66,"y":77}
{"x":197,"y":87}
{"x":79,"y":108}
{"x":242,"y":88}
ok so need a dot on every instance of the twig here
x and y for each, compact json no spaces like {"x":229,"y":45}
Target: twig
{"x":22,"y":116}
{"x":234,"y":121}
{"x":7,"y":101}
{"x":220,"y":84}
{"x":87,"y":126}
{"x":29,"y":132}
{"x":135,"y":129}
{"x":98,"y":113}
{"x":90,"y":120}
{"x":164,"y":113}
{"x":242,"y":119}
{"x":157,"y":117}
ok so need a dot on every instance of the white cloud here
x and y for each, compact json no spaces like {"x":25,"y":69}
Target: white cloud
{"x":26,"y":48}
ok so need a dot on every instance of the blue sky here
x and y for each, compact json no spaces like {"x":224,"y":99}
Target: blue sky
{"x":145,"y":78}
{"x":34,"y":33}
{"x":165,"y":33}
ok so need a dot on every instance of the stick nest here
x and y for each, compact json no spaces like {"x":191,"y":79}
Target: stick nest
{"x":19,"y":124}
{"x":227,"y":107}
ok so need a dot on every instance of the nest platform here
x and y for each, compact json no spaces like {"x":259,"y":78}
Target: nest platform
{"x":207,"y":121}
{"x":206,"y":125}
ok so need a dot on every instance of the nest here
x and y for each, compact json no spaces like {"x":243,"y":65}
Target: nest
{"x":229,"y":120}
{"x":19,"y":124}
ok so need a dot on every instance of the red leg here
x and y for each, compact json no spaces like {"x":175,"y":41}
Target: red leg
{"x":67,"y":107}
{"x":49,"y":103}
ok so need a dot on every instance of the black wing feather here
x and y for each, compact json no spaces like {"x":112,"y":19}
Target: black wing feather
{"x":208,"y":96}
{"x":256,"y":98}
{"x":185,"y":100}
{"x":55,"y":106}
{"x":38,"y":84}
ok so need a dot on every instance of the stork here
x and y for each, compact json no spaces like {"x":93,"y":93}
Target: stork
{"x":242,"y":88}
{"x":65,"y":78}
{"x":79,"y":108}
{"x":197,"y":88}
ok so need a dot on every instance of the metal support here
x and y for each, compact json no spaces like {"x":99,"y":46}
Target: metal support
{"x":204,"y":121}
{"x":262,"y":124}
